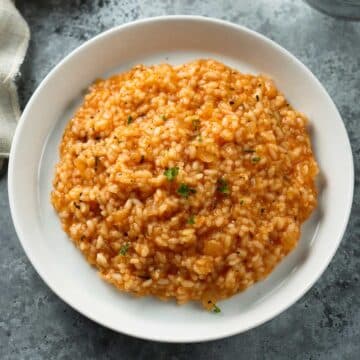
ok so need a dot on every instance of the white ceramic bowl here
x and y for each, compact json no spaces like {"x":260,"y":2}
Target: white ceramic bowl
{"x":173,"y":39}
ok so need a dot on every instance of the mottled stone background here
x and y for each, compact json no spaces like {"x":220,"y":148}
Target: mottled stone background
{"x":324,"y":324}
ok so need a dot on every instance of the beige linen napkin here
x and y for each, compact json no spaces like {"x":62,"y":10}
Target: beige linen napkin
{"x":14,"y":39}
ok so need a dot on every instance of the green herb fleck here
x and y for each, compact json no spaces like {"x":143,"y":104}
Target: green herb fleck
{"x":255,"y":159}
{"x":242,"y":202}
{"x":222,"y":186}
{"x":130,"y":119}
{"x":196,"y":124}
{"x":200,"y":139}
{"x":171,"y":173}
{"x":191,"y":220}
{"x":215,"y":308}
{"x":124,"y":249}
{"x":249,"y":150}
{"x":163,"y":117}
{"x":184,"y":190}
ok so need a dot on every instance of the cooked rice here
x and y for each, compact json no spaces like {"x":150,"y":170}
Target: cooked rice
{"x":239,"y":184}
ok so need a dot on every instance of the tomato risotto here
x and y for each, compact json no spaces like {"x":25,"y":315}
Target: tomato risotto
{"x":185,"y":182}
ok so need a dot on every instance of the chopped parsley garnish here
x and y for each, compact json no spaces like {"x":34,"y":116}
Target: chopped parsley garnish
{"x":130,"y":119}
{"x":255,"y":159}
{"x":242,"y":202}
{"x":222,"y":186}
{"x":163,"y":117}
{"x":215,"y":308}
{"x":124,"y":249}
{"x":196,"y":124}
{"x":171,"y":173}
{"x":184,"y":190}
{"x":249,"y":150}
{"x":191,"y":220}
{"x":200,"y":139}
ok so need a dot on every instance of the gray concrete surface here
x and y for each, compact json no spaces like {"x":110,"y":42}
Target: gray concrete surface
{"x":324,"y":324}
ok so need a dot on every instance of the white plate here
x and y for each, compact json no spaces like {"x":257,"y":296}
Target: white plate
{"x":173,"y":39}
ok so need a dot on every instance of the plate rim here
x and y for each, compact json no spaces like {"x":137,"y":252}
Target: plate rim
{"x":153,"y":336}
